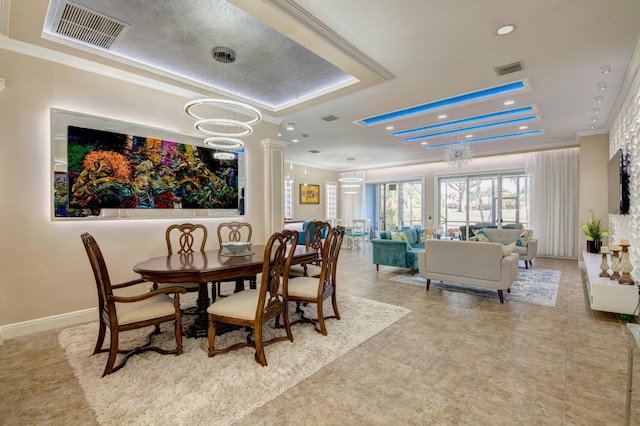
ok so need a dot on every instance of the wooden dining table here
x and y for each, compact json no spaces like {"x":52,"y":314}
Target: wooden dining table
{"x":209,"y":266}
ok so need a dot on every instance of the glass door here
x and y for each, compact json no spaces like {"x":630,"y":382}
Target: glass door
{"x":388,"y":206}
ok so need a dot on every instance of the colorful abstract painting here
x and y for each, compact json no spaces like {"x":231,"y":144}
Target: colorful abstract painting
{"x":114,"y":170}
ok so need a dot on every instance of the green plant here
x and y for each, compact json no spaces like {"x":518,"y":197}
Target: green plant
{"x":593,"y":229}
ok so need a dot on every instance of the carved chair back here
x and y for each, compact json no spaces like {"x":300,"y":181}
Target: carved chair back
{"x":186,"y":237}
{"x":234,"y":232}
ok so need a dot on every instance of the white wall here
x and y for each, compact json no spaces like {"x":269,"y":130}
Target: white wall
{"x":594,"y":155}
{"x":44,"y":270}
{"x":314,"y":176}
{"x":625,"y":135}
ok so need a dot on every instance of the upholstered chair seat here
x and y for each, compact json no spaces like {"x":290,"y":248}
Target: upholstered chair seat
{"x":242,"y":306}
{"x":154,"y":307}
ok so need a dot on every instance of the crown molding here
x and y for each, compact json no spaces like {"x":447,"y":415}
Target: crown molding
{"x":305,"y":19}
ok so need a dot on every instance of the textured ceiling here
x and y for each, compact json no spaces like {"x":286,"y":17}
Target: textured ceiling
{"x":392,"y":55}
{"x":270,"y":69}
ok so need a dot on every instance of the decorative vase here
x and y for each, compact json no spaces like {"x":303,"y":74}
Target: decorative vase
{"x":594,"y":246}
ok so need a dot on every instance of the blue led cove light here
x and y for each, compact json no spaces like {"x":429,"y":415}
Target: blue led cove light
{"x":468,"y":129}
{"x":456,"y":100}
{"x":465,"y":120}
{"x":490,"y":138}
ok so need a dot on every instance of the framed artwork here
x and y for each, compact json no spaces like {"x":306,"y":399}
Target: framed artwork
{"x":105,"y":168}
{"x":309,"y":194}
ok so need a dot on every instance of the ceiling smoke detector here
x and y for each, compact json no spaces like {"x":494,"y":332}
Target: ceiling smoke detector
{"x":223,"y":55}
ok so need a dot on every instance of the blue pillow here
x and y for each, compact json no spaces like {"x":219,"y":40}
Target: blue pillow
{"x":482,"y":236}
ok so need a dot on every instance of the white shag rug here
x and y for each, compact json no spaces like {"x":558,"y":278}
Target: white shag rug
{"x":154,"y":389}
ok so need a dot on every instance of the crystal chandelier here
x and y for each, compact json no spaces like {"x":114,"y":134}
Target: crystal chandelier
{"x":458,"y":155}
{"x":224,"y":129}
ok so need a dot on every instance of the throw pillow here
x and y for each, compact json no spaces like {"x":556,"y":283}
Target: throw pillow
{"x":397,"y":236}
{"x":424,"y":237}
{"x":482,"y":236}
{"x":507,"y":249}
{"x":401,"y":236}
{"x":524,"y":238}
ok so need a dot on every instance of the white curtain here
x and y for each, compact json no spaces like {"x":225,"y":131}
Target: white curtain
{"x":553,"y":201}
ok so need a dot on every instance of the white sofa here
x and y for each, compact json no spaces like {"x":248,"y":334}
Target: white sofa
{"x":470,"y":263}
{"x":508,"y":236}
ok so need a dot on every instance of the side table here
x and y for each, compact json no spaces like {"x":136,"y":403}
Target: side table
{"x":634,"y":337}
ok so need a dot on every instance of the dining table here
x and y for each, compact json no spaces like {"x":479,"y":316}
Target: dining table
{"x":208,"y":266}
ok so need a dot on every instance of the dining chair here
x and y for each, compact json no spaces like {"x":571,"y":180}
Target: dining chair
{"x":184,"y":239}
{"x":123,"y":313}
{"x":315,"y":234}
{"x":315,"y":290}
{"x":255,"y":307}
{"x":234,"y":232}
{"x":356,"y":233}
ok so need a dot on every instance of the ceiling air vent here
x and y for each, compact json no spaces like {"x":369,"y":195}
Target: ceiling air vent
{"x":329,"y":118}
{"x":84,"y":25}
{"x":509,"y":68}
{"x":314,"y":151}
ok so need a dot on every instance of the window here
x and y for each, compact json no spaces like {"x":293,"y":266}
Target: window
{"x":400,"y":204}
{"x":330,"y":200}
{"x":288,"y":198}
{"x":492,"y":200}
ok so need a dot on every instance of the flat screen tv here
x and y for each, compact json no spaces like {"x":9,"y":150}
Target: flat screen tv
{"x":618,"y":183}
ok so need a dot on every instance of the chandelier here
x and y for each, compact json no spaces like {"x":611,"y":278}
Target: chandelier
{"x":458,"y":155}
{"x":351,"y":179}
{"x":225,"y":125}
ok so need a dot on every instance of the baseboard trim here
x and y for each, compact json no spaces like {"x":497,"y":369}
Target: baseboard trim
{"x":47,"y":323}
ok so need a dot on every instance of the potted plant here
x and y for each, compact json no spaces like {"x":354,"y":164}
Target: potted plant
{"x":594,"y":233}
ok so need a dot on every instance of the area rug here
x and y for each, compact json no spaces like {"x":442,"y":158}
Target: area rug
{"x":535,"y":286}
{"x":194,"y":389}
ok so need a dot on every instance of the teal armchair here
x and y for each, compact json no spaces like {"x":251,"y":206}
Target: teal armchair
{"x":401,"y":254}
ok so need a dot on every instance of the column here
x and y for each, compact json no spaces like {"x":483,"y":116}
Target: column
{"x":273,"y":185}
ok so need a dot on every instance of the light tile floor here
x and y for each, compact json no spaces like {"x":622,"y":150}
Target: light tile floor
{"x":455,"y":359}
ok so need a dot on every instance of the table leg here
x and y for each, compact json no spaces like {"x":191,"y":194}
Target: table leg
{"x":199,"y":326}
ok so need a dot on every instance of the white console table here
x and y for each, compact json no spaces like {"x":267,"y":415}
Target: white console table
{"x":606,"y":294}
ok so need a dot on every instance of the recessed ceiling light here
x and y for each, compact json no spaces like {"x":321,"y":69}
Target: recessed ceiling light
{"x":490,"y":138}
{"x":514,"y":121}
{"x":476,"y":118}
{"x":424,"y":143}
{"x":439,"y":105}
{"x":468,"y":136}
{"x":523,"y":127}
{"x":593,"y":126}
{"x":290,"y":126}
{"x":279,"y":134}
{"x":599,"y":99}
{"x":442,"y":116}
{"x":510,"y":102}
{"x":596,"y":110}
{"x":594,"y":119}
{"x":606,"y":69}
{"x":506,"y":29}
{"x":295,"y":140}
{"x":602,"y":86}
{"x":389,"y":127}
